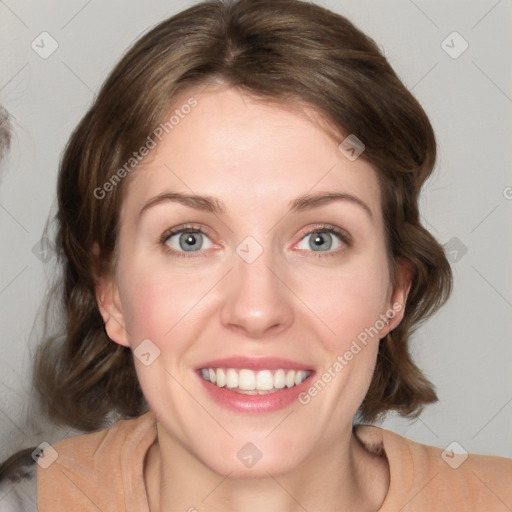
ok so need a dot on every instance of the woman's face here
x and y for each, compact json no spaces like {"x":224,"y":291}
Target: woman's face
{"x":275,"y":280}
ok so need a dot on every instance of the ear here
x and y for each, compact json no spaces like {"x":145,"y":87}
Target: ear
{"x":109,"y":304}
{"x":398,"y":299}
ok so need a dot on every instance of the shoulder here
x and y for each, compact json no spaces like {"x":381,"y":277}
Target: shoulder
{"x":94,"y":471}
{"x":424,"y":477}
{"x":18,"y":482}
{"x":102,"y":444}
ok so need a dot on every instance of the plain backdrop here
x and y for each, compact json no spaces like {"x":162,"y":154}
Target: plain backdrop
{"x":465,"y":350}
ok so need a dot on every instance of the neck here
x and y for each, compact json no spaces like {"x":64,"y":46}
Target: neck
{"x":344,"y":477}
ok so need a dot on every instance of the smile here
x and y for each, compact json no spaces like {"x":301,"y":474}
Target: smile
{"x":251,"y":382}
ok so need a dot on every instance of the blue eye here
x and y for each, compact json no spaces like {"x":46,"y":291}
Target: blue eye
{"x":188,"y":241}
{"x":322,"y":240}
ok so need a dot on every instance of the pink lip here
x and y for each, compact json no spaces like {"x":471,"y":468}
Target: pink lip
{"x":254,"y":404}
{"x":255,"y":363}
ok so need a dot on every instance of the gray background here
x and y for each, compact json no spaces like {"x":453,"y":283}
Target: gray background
{"x":465,"y":349}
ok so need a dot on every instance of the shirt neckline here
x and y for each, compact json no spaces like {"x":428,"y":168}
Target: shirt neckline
{"x":376,"y":440}
{"x":386,"y":443}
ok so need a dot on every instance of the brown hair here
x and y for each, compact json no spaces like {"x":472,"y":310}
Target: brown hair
{"x":284,"y":51}
{"x":5,"y":132}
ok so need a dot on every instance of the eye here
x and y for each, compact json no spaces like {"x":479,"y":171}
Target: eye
{"x":323,"y":239}
{"x":187,"y":239}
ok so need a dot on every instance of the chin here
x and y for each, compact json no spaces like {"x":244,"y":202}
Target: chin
{"x":242,"y":458}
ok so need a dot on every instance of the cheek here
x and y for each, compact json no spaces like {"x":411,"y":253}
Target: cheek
{"x":349,"y":299}
{"x":154,"y":302}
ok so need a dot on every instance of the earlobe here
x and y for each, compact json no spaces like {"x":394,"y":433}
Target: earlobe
{"x":107,"y":298}
{"x":398,"y":301}
{"x":109,"y":304}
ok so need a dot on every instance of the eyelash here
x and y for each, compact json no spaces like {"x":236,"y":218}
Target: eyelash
{"x":320,"y":228}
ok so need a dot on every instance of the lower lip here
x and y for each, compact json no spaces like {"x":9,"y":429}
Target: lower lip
{"x":255,"y":403}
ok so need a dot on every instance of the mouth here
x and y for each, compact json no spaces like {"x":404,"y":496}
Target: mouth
{"x":254,"y":384}
{"x":251,"y":382}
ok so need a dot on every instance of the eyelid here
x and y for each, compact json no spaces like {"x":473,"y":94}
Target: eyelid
{"x":344,"y":236}
{"x":183,"y":229}
{"x":177,"y":230}
{"x":341,"y":233}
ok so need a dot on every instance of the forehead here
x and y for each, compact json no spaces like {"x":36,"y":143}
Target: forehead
{"x":248,"y":153}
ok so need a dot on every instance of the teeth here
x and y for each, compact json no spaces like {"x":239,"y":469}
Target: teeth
{"x":221,"y":378}
{"x":252,"y":383}
{"x":246,"y":380}
{"x":231,"y":378}
{"x":280,"y":379}
{"x":264,"y":382}
{"x":300,"y":376}
{"x":290,"y":379}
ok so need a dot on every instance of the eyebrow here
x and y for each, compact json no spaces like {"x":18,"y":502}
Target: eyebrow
{"x":213,"y":205}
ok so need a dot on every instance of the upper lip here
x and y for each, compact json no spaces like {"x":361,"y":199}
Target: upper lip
{"x":255,"y":363}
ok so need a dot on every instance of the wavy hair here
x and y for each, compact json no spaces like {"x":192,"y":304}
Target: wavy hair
{"x":5,"y":131}
{"x":282,"y":51}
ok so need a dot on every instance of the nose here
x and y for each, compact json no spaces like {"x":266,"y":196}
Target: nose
{"x":257,"y":301}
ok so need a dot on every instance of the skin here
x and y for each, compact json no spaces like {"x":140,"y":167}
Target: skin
{"x":293,"y":301}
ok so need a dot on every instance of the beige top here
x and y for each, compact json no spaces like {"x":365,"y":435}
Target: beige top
{"x":103,"y":471}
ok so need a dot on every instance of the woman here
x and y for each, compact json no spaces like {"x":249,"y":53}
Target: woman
{"x":244,"y":265}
